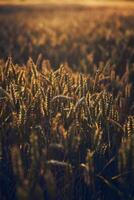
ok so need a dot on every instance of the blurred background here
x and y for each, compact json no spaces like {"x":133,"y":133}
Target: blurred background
{"x":66,"y":1}
{"x":81,"y":33}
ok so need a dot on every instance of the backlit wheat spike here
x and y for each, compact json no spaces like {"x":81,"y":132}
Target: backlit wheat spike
{"x":109,"y":104}
{"x":97,"y":137}
{"x":33,"y":68}
{"x":69,"y":82}
{"x":86,"y":89}
{"x":96,"y":80}
{"x":80,"y":86}
{"x":43,"y":93}
{"x":42,"y":107}
{"x":13,"y":93}
{"x":13,"y":70}
{"x":1,"y":74}
{"x":116,"y":116}
{"x":49,"y":96}
{"x":127,"y":147}
{"x":20,"y":77}
{"x":130,"y":126}
{"x":88,"y":99}
{"x":61,"y":69}
{"x":7,"y":66}
{"x":38,"y":62}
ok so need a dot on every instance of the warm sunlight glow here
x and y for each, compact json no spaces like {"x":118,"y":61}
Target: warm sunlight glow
{"x":80,"y":2}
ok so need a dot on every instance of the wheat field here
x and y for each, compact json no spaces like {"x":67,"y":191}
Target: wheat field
{"x":66,"y":103}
